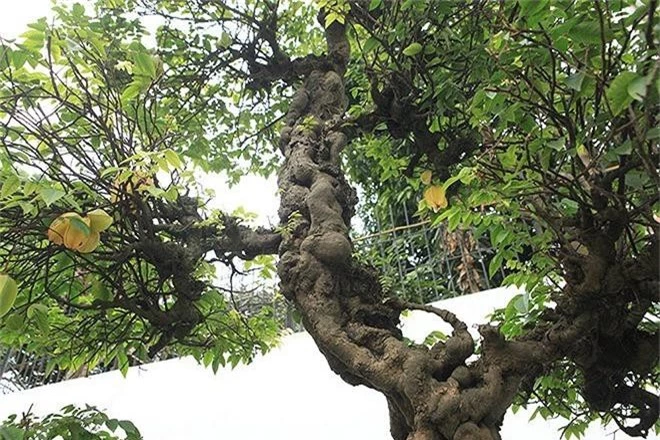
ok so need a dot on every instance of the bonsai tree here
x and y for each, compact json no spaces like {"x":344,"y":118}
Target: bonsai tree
{"x":532,"y":123}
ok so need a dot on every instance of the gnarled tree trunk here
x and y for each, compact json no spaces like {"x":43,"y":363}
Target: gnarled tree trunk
{"x":432,"y":394}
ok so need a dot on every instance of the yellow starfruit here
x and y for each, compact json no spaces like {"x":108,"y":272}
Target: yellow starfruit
{"x":435,"y":197}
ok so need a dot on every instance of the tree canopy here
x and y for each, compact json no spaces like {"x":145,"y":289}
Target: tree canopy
{"x":532,"y":124}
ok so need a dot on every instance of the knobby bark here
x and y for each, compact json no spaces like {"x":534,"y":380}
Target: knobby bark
{"x":432,"y":394}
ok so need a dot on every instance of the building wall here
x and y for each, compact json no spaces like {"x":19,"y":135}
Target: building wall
{"x":288,"y":394}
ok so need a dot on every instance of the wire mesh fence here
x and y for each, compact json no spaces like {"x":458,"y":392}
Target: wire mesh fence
{"x":417,"y":260}
{"x":425,"y":262}
{"x":21,"y":370}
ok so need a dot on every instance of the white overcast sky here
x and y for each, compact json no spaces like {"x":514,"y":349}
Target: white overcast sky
{"x":16,"y":14}
{"x":253,"y":193}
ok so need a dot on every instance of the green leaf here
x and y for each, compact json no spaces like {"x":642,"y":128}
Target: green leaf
{"x":51,"y":195}
{"x":112,"y":424}
{"x":529,"y":8}
{"x":172,"y":194}
{"x":207,"y":358}
{"x":33,"y":38}
{"x":498,"y":234}
{"x":556,"y":144}
{"x":636,"y":179}
{"x":653,"y":133}
{"x":39,"y":313}
{"x":78,"y":10}
{"x":39,"y":25}
{"x":574,"y":81}
{"x":144,"y":64}
{"x":122,"y":363}
{"x":637,"y":88}
{"x":435,"y":125}
{"x":10,"y":186}
{"x":15,"y":322}
{"x":173,"y":159}
{"x":465,"y":175}
{"x":617,"y":93}
{"x":587,"y":33}
{"x":495,"y":264}
{"x":509,"y":158}
{"x":131,"y":92}
{"x":624,"y":149}
{"x":18,"y":58}
{"x":375,"y":4}
{"x":370,"y":44}
{"x":36,"y":308}
{"x":522,"y":303}
{"x":109,"y":170}
{"x":412,"y":49}
{"x":454,"y":219}
{"x":8,"y":292}
{"x":332,"y":17}
{"x":11,"y":433}
{"x":218,"y":360}
{"x":100,"y":291}
{"x":225,"y":40}
{"x":5,"y":57}
{"x":128,"y":427}
{"x":434,"y":337}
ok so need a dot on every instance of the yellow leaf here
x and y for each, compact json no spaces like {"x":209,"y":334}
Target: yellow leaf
{"x":426,"y":177}
{"x":435,"y":197}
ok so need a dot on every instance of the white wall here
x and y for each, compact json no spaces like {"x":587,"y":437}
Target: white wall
{"x":288,"y":394}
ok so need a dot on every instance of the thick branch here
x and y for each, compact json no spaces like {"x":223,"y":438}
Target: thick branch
{"x":262,"y":76}
{"x":244,"y":242}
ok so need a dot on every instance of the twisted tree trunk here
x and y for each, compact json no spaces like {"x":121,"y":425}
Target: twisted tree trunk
{"x":342,"y":303}
{"x":432,"y":394}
